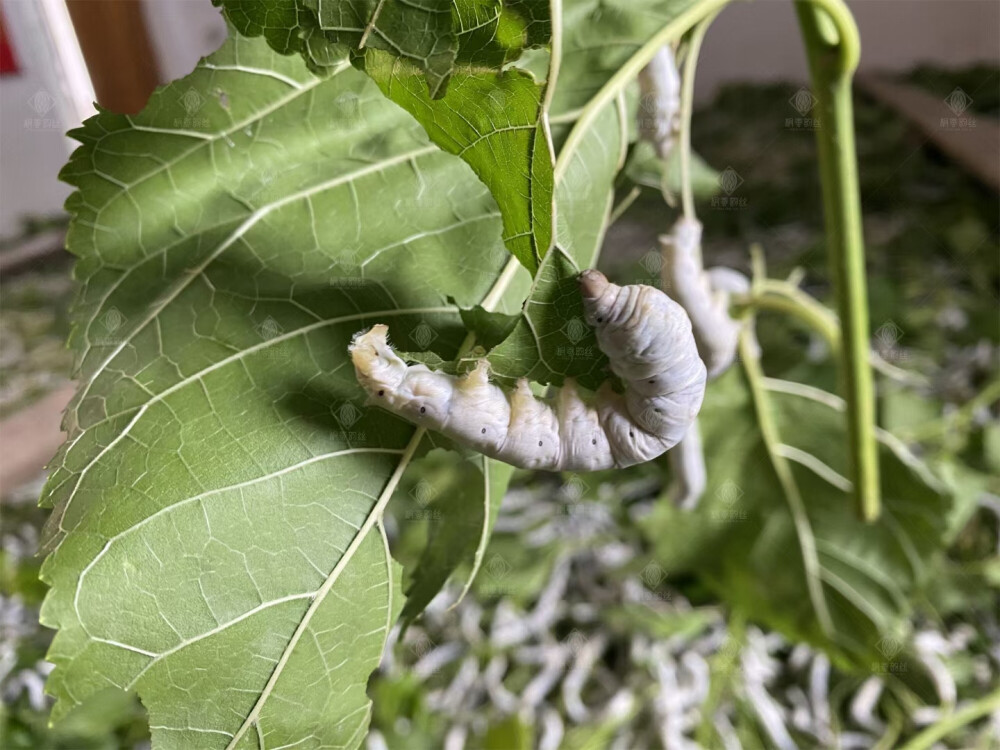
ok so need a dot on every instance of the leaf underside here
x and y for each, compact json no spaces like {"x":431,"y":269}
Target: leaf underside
{"x":444,"y":63}
{"x":214,"y":528}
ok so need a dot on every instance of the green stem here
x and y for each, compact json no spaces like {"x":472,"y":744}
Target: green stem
{"x":624,"y":204}
{"x":832,"y":47}
{"x":785,"y":297}
{"x":772,"y":440}
{"x":780,"y":296}
{"x":555,"y":55}
{"x":957,"y":720}
{"x":687,"y":107}
{"x":892,"y":730}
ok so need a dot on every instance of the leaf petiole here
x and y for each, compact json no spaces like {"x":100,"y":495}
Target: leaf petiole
{"x":833,"y":48}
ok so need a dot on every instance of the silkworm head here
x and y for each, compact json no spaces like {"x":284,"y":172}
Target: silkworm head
{"x":376,"y":364}
{"x":599,"y":296}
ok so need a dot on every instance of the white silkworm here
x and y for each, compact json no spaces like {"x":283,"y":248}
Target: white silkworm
{"x":687,"y":467}
{"x":705,"y":296}
{"x":647,"y":338}
{"x":660,"y":103}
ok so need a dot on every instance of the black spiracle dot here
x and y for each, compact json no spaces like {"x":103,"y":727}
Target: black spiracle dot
{"x":381,"y":393}
{"x":539,"y":443}
{"x":594,"y":441}
{"x":656,"y":409}
{"x":423,"y":409}
{"x":600,"y":320}
{"x":651,"y":382}
{"x":631,"y":434}
{"x":484,"y":430}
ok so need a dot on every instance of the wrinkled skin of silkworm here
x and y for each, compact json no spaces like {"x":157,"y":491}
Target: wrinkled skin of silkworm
{"x":704,"y":295}
{"x":660,"y":103}
{"x":648,"y":340}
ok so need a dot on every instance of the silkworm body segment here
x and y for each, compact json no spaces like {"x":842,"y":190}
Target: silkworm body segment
{"x":649,"y":343}
{"x":703,"y":294}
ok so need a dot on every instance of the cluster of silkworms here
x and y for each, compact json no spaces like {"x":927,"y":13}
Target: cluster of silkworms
{"x":555,"y":660}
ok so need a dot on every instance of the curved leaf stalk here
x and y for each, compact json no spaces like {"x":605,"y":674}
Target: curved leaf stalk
{"x":785,"y":297}
{"x":893,"y":729}
{"x":832,"y":48}
{"x":749,"y":357}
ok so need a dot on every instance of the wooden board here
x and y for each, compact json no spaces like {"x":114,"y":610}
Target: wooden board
{"x":30,"y":438}
{"x":971,"y":139}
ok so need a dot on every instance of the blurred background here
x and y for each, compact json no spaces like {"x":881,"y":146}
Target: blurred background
{"x":927,"y":107}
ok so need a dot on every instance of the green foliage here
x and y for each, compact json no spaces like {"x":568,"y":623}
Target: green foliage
{"x":231,"y":238}
{"x":551,"y":341}
{"x":868,"y":573}
{"x":443,"y":63}
{"x":493,"y":121}
{"x":600,"y":37}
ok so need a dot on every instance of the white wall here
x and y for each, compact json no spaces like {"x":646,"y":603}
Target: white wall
{"x":30,"y":156}
{"x":50,"y":94}
{"x":182,"y":32}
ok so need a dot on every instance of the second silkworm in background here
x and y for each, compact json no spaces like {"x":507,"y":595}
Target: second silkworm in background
{"x":647,"y":338}
{"x":703,"y":294}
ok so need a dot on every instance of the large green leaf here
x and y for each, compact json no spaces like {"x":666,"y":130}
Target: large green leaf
{"x":493,"y":120}
{"x":444,"y":62}
{"x":436,"y":36}
{"x":866,"y":574}
{"x":601,"y":35}
{"x":420,"y":32}
{"x":216,"y":538}
{"x":323,"y":31}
